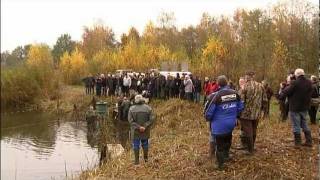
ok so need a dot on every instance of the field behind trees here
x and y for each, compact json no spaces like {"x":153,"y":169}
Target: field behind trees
{"x":270,"y":41}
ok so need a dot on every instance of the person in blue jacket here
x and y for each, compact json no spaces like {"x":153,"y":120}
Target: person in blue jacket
{"x":222,"y":113}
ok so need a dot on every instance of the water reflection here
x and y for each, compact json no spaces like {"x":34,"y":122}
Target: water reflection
{"x":93,"y":133}
{"x":36,"y":146}
{"x":30,"y":131}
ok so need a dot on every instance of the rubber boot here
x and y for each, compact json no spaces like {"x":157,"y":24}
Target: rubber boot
{"x":136,"y":156}
{"x":226,"y":156}
{"x":226,"y":151}
{"x":249,"y":146}
{"x":145,"y":154}
{"x":212,"y":150}
{"x":308,"y":137}
{"x":297,"y":140}
{"x":220,"y":160}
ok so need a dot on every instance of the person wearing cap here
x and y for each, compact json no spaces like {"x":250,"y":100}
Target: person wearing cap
{"x":299,"y":94}
{"x":222,"y":111}
{"x":140,"y":118}
{"x":253,"y":95}
{"x":315,"y":94}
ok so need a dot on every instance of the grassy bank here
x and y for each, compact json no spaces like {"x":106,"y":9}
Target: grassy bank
{"x":179,"y":149}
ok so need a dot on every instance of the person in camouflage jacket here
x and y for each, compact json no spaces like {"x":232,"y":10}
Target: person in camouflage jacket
{"x":254,"y":96}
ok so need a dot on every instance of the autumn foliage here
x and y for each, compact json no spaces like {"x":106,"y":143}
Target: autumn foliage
{"x":270,"y":41}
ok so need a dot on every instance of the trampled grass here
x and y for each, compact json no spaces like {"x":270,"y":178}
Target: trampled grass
{"x":179,"y":150}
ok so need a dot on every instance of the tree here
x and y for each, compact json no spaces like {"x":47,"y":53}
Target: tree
{"x":279,"y":63}
{"x":39,"y":56}
{"x":123,"y":39}
{"x":95,"y":39}
{"x":73,"y":67}
{"x":40,"y":64}
{"x":133,"y":35}
{"x":149,"y":35}
{"x":213,"y":56}
{"x":190,"y":41}
{"x":166,"y":19}
{"x":16,"y":57}
{"x":64,"y":44}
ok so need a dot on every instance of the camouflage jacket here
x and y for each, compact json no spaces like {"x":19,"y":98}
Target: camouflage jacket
{"x":254,"y":96}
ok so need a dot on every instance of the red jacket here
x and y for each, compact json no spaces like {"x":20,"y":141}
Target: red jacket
{"x":209,"y":88}
{"x":214,"y":87}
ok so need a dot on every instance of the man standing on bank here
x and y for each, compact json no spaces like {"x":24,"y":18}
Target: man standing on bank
{"x":222,"y":113}
{"x":253,"y":95}
{"x":140,"y":118}
{"x":299,"y":94}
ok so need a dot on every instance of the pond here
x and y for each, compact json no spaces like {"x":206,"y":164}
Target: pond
{"x":37,"y":145}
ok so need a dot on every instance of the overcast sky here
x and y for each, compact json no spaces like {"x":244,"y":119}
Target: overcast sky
{"x":43,"y":21}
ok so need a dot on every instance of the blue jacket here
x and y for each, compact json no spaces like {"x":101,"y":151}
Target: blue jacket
{"x":222,"y":111}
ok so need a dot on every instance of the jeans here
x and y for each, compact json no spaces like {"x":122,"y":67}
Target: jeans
{"x":188,"y":96}
{"x":299,"y":121}
{"x":136,"y":143}
{"x":197,"y":97}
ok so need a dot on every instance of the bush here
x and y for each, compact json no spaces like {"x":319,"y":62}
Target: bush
{"x":18,"y":87}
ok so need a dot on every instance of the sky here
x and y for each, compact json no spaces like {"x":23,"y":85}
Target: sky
{"x":43,"y":21}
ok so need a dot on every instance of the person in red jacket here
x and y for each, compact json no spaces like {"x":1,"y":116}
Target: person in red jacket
{"x":209,"y":87}
{"x":206,"y":89}
{"x":214,"y":86}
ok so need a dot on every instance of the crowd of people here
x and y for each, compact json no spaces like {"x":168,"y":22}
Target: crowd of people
{"x":153,"y":85}
{"x":225,"y":105}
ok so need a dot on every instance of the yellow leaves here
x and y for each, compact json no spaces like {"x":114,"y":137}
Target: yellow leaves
{"x":164,"y":53}
{"x":73,"y":66}
{"x":214,"y":49}
{"x":39,"y":56}
{"x":103,"y":61}
{"x":213,"y":55}
{"x":280,"y":51}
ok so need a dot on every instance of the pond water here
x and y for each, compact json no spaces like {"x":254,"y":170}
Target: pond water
{"x":37,"y":145}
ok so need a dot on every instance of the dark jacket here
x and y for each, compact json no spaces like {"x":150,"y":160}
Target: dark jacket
{"x":315,"y":90}
{"x":269,"y":92}
{"x":110,"y":83}
{"x":299,"y":94}
{"x":197,"y":85}
{"x":125,"y":106}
